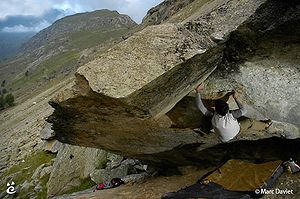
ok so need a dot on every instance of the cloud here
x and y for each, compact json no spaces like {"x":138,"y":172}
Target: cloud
{"x":134,"y":8}
{"x":21,"y":23}
{"x":137,"y":9}
{"x":21,"y":28}
{"x":23,"y":7}
{"x":34,"y":15}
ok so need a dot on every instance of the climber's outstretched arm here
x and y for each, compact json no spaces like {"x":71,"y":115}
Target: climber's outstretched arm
{"x":241,"y":111}
{"x":199,"y":102}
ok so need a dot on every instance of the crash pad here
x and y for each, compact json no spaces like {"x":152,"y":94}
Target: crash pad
{"x":239,"y":175}
{"x":200,"y":190}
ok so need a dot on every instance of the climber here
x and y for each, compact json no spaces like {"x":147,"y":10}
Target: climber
{"x":224,"y":121}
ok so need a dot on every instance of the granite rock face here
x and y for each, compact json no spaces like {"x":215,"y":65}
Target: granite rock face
{"x":47,"y":133}
{"x":130,"y":100}
{"x":52,"y":146}
{"x":164,"y":11}
{"x":263,"y":63}
{"x":72,"y":165}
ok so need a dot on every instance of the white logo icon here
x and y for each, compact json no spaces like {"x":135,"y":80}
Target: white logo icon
{"x":257,"y":191}
{"x":10,"y":188}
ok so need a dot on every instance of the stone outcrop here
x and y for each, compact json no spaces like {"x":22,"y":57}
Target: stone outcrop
{"x":127,"y":169}
{"x":72,"y":165}
{"x":52,"y":146}
{"x":135,"y":99}
{"x":47,"y":133}
{"x":262,"y":62}
{"x":164,"y":11}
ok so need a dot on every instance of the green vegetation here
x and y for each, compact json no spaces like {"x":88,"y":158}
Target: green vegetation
{"x":26,"y":79}
{"x":85,"y":184}
{"x":188,"y":11}
{"x":6,"y":100}
{"x":44,"y":180}
{"x":9,"y":99}
{"x":73,"y":19}
{"x":2,"y":102}
{"x":87,"y":39}
{"x":67,"y":61}
{"x":4,"y":91}
{"x":49,"y":69}
{"x":25,"y":170}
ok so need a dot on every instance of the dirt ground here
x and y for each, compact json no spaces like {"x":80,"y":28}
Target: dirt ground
{"x":150,"y":188}
{"x":156,"y":187}
{"x":286,"y":182}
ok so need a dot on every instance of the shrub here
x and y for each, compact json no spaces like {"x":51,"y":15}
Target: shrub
{"x":3,"y":83}
{"x":9,"y":99}
{"x":4,"y":91}
{"x":2,"y":102}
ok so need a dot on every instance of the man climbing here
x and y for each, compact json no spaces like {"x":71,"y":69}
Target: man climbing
{"x":224,"y":122}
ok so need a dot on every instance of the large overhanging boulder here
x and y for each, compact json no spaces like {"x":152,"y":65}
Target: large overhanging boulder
{"x":124,"y":101}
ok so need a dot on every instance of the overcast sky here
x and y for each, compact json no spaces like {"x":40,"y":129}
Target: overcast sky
{"x":34,"y":15}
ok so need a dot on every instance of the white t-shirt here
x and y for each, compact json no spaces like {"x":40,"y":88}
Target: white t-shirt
{"x":226,"y":127}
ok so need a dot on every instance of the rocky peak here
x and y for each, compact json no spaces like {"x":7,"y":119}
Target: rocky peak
{"x":96,"y":20}
{"x":164,"y":10}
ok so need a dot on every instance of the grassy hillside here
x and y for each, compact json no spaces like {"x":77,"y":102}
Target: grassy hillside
{"x":47,"y":70}
{"x":87,"y":39}
{"x":188,"y":11}
{"x":11,"y":42}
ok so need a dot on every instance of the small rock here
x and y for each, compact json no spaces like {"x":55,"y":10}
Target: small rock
{"x":47,"y":133}
{"x":135,"y":177}
{"x":101,"y":175}
{"x":218,"y":37}
{"x":25,"y":186}
{"x":130,"y":162}
{"x":52,"y":146}
{"x":46,"y":171}
{"x":3,"y":165}
{"x":37,"y":173}
{"x":33,"y":196}
{"x":38,"y":188}
{"x":115,"y":160}
{"x":2,"y":194}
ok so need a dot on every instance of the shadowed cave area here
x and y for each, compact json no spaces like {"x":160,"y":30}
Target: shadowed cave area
{"x":244,"y":45}
{"x":257,"y":151}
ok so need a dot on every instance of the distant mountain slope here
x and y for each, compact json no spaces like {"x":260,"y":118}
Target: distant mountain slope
{"x":11,"y":42}
{"x":60,"y":49}
{"x":101,"y":20}
{"x":15,"y":30}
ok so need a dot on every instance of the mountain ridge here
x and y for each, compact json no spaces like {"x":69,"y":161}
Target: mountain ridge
{"x":57,"y":51}
{"x":96,"y":20}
